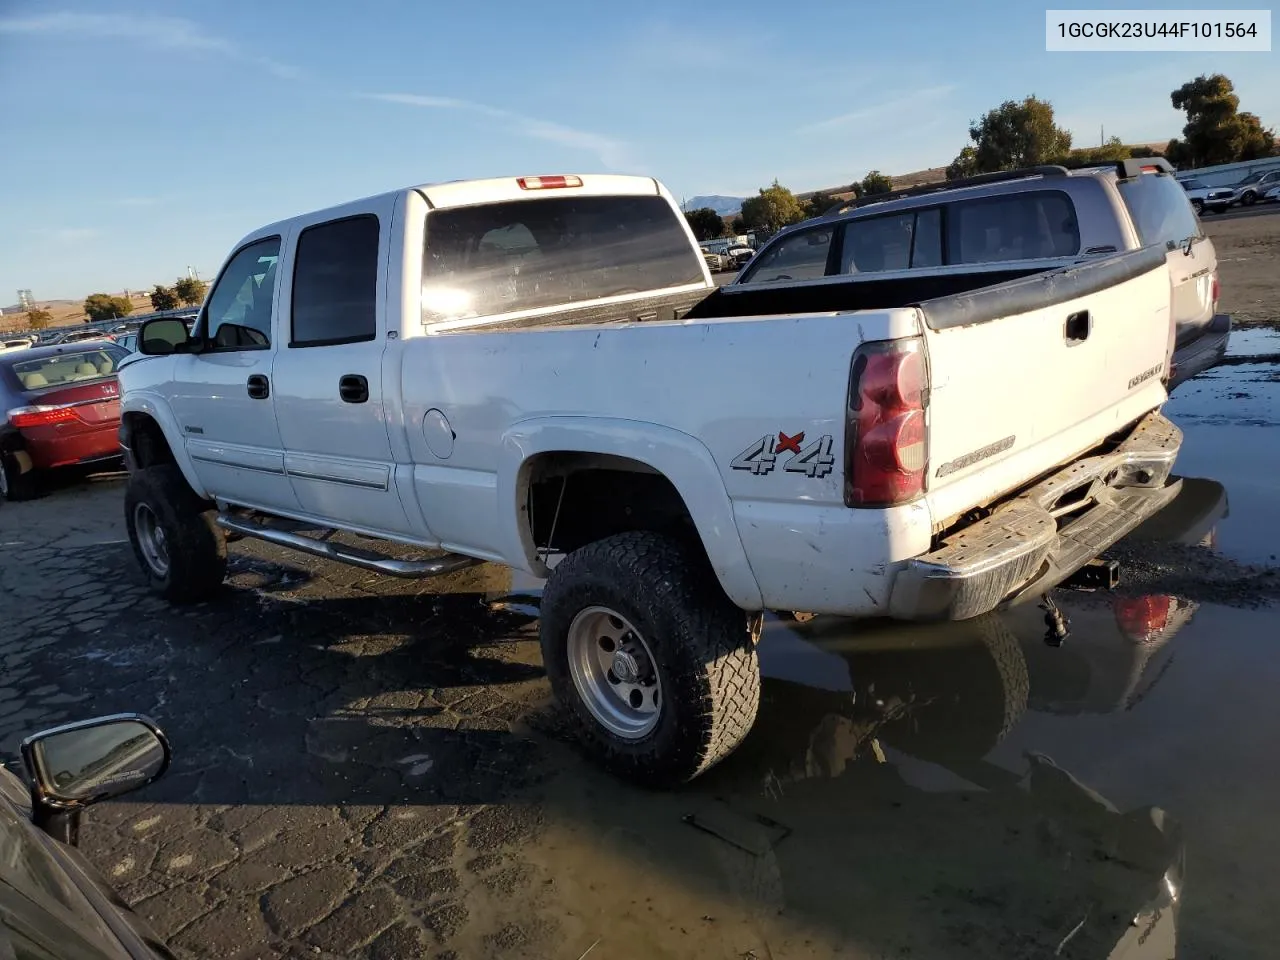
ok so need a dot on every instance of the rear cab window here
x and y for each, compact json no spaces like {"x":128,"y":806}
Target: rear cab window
{"x":515,"y":256}
{"x":1161,"y":212}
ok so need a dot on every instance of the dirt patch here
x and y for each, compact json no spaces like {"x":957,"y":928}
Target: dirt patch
{"x":1248,"y":263}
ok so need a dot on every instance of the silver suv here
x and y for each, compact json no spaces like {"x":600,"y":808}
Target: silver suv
{"x":1018,"y":222}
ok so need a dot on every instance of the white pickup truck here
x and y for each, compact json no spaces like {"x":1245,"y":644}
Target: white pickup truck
{"x":539,"y":372}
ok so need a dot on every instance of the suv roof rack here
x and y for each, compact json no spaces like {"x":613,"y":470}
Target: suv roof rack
{"x":1044,"y":170}
{"x":1126,"y":169}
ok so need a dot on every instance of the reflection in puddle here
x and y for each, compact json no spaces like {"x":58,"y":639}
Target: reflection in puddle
{"x":899,"y":795}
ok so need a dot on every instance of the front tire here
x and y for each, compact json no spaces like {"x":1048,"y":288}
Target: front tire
{"x":181,"y":550}
{"x":1198,"y":207}
{"x":1249,"y":198}
{"x":656,"y":666}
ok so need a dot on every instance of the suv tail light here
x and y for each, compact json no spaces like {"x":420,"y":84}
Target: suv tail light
{"x":42,"y":416}
{"x":1140,"y":619}
{"x":885,"y":439}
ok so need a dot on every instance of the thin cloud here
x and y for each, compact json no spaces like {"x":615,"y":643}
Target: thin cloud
{"x":612,"y":153}
{"x":896,"y":105}
{"x":69,"y":234}
{"x":166,"y":33}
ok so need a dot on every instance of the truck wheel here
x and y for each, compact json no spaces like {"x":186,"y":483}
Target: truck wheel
{"x":14,"y":484}
{"x":181,"y":551}
{"x":656,"y":666}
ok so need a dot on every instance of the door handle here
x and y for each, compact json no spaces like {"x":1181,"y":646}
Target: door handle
{"x":1077,"y":327}
{"x":353,"y":388}
{"x":259,"y":387}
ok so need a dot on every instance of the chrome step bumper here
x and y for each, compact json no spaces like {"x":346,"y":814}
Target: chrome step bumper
{"x":1021,"y":549}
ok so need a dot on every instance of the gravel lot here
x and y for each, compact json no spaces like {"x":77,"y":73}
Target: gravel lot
{"x":371,"y":768}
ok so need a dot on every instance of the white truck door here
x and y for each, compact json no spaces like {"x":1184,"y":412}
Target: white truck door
{"x":222,"y":397}
{"x":328,"y":376}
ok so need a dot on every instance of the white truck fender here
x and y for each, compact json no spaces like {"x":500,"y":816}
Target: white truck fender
{"x":682,"y":459}
{"x":154,"y":407}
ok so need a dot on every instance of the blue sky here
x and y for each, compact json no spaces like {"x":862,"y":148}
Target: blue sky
{"x":137,"y":138}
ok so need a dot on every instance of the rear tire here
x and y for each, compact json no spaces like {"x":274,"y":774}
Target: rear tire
{"x":14,"y":484}
{"x":697,"y":677}
{"x":180,"y":549}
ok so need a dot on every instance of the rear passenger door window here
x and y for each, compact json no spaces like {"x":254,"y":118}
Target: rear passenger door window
{"x":801,"y":256}
{"x":1033,"y":225}
{"x":335,"y":283}
{"x":894,"y":242}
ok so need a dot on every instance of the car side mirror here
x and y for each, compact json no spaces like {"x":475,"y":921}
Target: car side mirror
{"x":163,"y":336}
{"x":79,"y":764}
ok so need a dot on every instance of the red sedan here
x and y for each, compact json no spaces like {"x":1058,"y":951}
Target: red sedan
{"x":60,"y":407}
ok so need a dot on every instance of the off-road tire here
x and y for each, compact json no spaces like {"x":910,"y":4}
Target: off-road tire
{"x":197,"y":550}
{"x":17,"y":485}
{"x":702,"y":646}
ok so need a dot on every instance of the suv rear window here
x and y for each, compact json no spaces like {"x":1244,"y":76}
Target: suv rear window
{"x":1160,"y":209}
{"x":501,"y":258}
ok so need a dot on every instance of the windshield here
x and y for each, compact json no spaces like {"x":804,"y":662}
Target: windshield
{"x":1192,"y":185}
{"x":69,"y":367}
{"x":503,"y":258}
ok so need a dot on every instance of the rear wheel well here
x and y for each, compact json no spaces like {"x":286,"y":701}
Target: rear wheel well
{"x":146,"y":441}
{"x":572,"y":499}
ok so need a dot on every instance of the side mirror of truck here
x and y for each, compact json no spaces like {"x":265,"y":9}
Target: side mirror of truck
{"x":163,"y":336}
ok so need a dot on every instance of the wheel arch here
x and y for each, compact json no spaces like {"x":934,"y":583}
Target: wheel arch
{"x":145,"y":425}
{"x":564,"y":446}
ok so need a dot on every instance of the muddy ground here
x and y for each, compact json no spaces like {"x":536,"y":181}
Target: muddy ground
{"x":372,"y":768}
{"x":1248,"y":247}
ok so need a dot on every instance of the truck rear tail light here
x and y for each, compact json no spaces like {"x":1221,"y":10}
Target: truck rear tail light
{"x":886,"y":441}
{"x":1142,"y":618}
{"x":548,"y":183}
{"x":42,"y":416}
{"x":1215,"y":292}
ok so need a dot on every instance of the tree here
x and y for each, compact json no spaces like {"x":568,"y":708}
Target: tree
{"x":774,"y":208}
{"x":964,"y":165}
{"x":1018,"y":133}
{"x":163,"y":298}
{"x":705,"y":223}
{"x":190,"y":291}
{"x":38,"y":318}
{"x":1113,"y":149}
{"x":103,"y":306}
{"x":818,"y":204}
{"x":1216,"y":132}
{"x":875,"y":182}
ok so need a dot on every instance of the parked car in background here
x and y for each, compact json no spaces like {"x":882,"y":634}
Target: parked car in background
{"x":1011,"y":225}
{"x":61,"y":407}
{"x":53,"y":903}
{"x":16,"y":343}
{"x":1255,"y":186}
{"x":75,"y":336}
{"x":1204,"y":197}
{"x":715,"y":262}
{"x":1272,"y":195}
{"x":739,"y":256}
{"x":127,"y":340}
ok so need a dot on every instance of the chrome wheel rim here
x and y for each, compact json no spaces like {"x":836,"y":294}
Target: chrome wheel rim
{"x":4,"y":480}
{"x":151,"y":539}
{"x":614,"y":673}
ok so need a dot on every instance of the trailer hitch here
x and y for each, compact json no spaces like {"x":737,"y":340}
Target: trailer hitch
{"x":1057,"y":628}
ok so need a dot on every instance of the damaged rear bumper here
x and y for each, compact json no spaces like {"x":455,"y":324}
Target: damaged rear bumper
{"x":1042,"y":536}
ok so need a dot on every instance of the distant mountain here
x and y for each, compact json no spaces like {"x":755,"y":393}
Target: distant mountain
{"x":725,"y":206}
